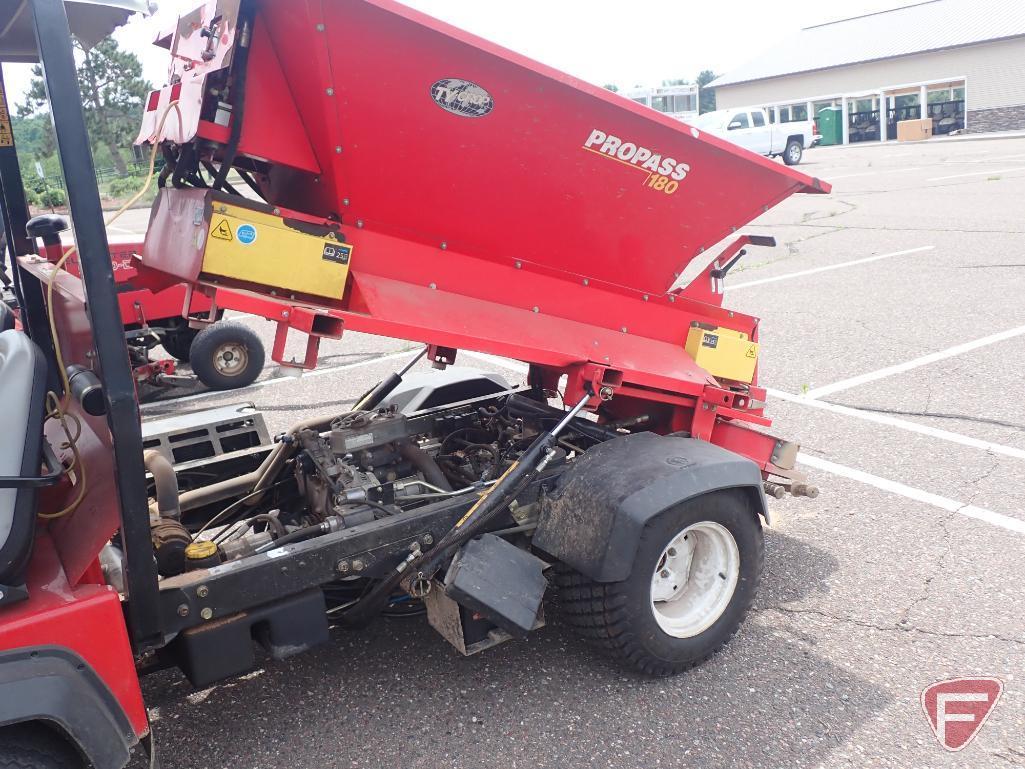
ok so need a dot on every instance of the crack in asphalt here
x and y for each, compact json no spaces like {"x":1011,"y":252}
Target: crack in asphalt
{"x":904,"y":623}
{"x":935,"y":415}
{"x":1013,"y":756}
{"x":891,"y":628}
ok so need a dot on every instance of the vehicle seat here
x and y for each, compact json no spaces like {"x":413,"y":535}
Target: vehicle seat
{"x":7,"y":317}
{"x":23,"y":384}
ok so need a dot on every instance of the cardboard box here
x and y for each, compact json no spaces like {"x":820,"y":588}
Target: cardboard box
{"x":914,"y":130}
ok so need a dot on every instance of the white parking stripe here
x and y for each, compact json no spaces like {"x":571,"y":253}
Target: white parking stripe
{"x":903,"y":424}
{"x":884,"y":484}
{"x":495,"y":360}
{"x":274,"y":381}
{"x":829,"y":267}
{"x":918,"y":495}
{"x":900,"y":368}
{"x":871,"y":173}
{"x":976,"y":173}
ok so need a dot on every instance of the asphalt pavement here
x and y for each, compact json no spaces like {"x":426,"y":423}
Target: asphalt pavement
{"x":893,"y":337}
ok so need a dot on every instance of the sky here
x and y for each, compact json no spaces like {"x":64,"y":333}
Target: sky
{"x":629,"y":43}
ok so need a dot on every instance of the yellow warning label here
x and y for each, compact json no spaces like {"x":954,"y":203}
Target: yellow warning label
{"x":752,"y":351}
{"x":6,"y":131}
{"x":222,"y":231}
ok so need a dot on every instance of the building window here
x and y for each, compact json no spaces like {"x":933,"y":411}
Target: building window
{"x":684,"y":103}
{"x":959,"y":94}
{"x":757,"y":119}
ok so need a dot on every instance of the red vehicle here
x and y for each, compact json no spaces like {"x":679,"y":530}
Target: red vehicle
{"x":524,"y":214}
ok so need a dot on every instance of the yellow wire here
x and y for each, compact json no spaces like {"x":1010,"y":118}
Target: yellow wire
{"x":57,"y":407}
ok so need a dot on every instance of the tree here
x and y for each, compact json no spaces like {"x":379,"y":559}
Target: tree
{"x":676,"y":81}
{"x":113,"y":93}
{"x":706,"y":95}
{"x":611,"y":87}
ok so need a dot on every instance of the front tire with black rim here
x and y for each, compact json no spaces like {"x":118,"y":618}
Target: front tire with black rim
{"x":36,"y":746}
{"x":793,"y":153}
{"x":226,"y":356}
{"x":693,"y":579}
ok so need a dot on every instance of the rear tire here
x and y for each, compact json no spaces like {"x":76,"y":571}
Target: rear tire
{"x":694,"y":617}
{"x":793,"y":153}
{"x":226,"y":356}
{"x":36,"y":746}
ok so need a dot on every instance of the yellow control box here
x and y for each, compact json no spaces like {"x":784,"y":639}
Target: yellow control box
{"x":261,"y":248}
{"x":723,"y":352}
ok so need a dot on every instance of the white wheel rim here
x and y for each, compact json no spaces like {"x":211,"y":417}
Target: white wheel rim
{"x":795,"y":152}
{"x":695,"y":579}
{"x":231,"y":359}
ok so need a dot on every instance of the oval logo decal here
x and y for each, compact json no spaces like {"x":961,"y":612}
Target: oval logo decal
{"x":461,"y":97}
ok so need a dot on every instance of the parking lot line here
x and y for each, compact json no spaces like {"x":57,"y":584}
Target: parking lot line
{"x":495,"y":360}
{"x":872,"y":173}
{"x":274,"y":381}
{"x":976,"y":173}
{"x":903,"y":424}
{"x":918,"y":495}
{"x":900,"y":368}
{"x":829,"y":267}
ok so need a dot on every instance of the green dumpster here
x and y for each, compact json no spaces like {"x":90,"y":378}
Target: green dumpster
{"x":831,"y":125}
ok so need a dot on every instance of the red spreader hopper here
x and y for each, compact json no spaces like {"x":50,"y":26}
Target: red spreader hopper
{"x":479,"y":200}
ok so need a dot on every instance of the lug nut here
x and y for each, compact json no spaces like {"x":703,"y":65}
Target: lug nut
{"x":357,"y":565}
{"x":342,"y":567}
{"x":428,"y":539}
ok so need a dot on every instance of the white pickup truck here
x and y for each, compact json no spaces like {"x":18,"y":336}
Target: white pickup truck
{"x":750,"y":128}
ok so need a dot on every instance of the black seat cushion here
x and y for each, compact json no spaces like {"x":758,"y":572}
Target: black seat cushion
{"x":23,"y":384}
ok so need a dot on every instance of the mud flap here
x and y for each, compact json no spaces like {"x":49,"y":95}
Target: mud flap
{"x":593,"y":519}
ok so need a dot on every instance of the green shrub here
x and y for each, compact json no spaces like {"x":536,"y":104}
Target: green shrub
{"x":52,"y":197}
{"x":32,"y":197}
{"x":126,"y":186}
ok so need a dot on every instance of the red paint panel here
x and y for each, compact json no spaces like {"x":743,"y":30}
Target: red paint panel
{"x":86,"y":619}
{"x":518,"y":182}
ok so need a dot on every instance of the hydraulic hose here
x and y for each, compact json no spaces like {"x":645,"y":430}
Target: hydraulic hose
{"x":521,"y":406}
{"x":238,"y":95}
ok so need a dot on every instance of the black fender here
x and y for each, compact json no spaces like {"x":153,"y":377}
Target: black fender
{"x":54,"y":685}
{"x":592,"y":520}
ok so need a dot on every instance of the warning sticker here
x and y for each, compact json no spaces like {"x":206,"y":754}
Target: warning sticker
{"x":222,"y":231}
{"x":752,"y":352}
